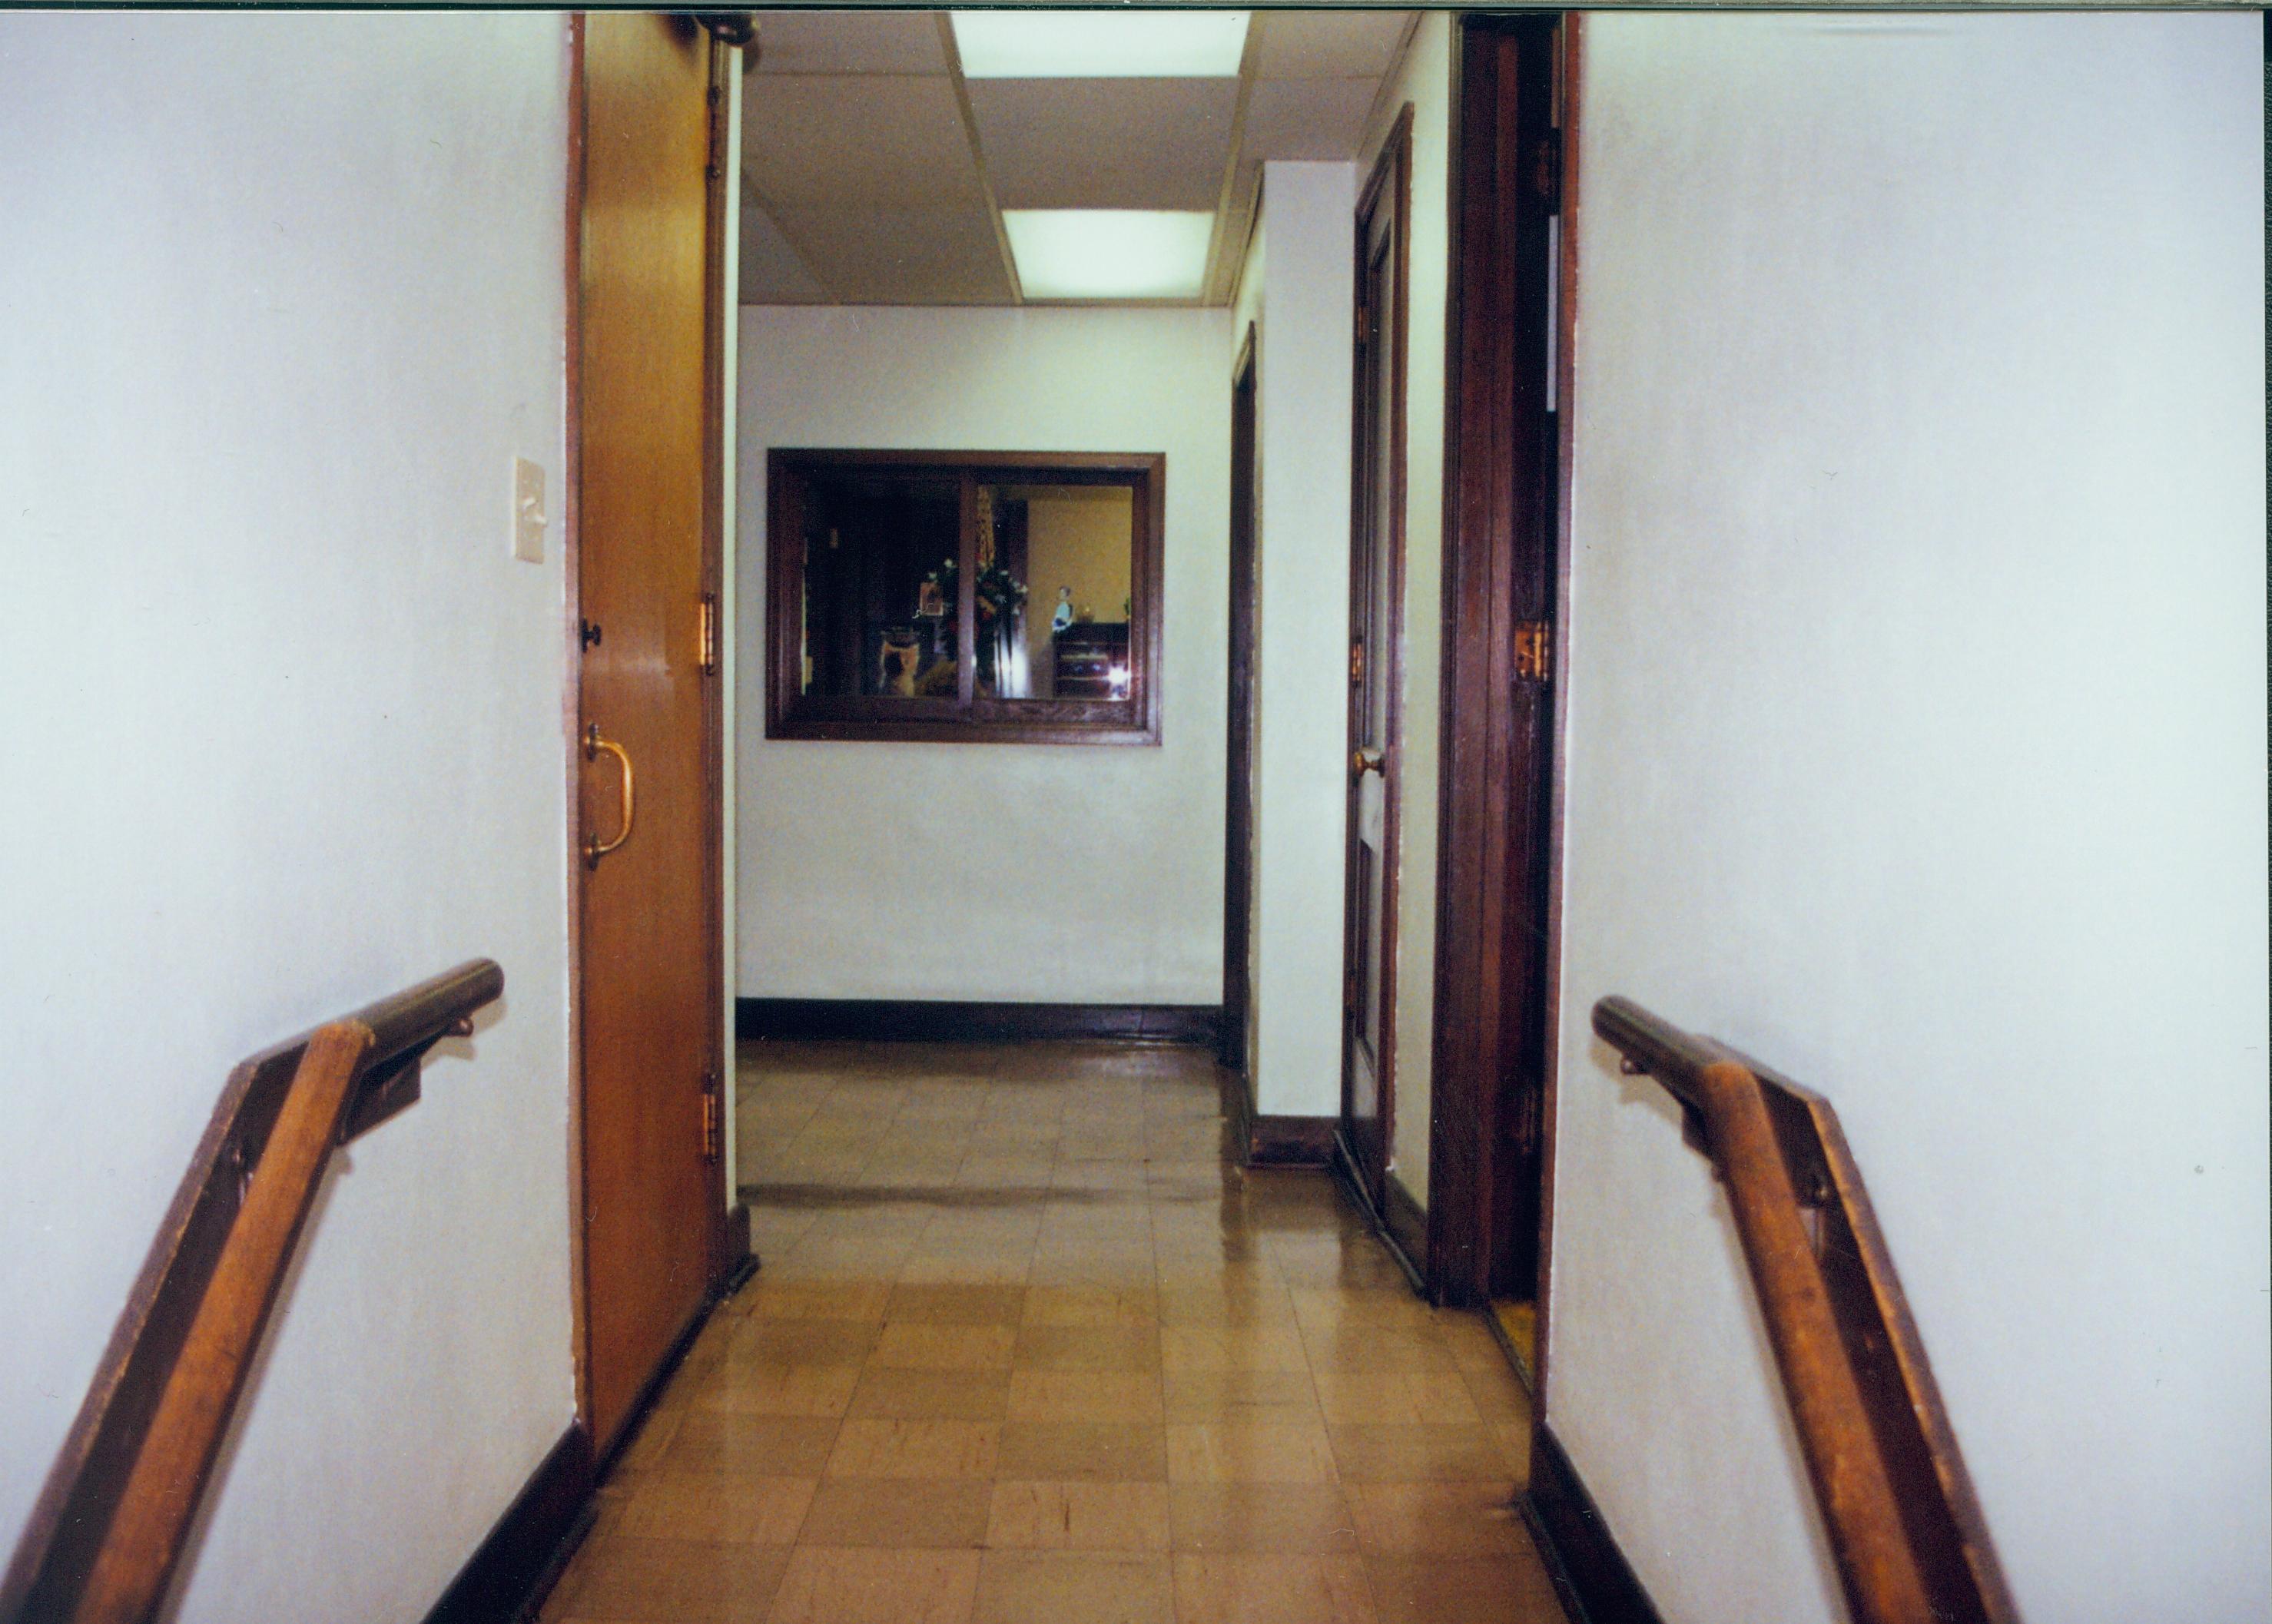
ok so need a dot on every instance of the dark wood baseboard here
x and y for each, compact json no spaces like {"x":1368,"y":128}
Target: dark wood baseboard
{"x":1239,"y":1115}
{"x":1406,"y":1220}
{"x":531,"y":1542}
{"x":740,"y":1263}
{"x":1272,"y":1140}
{"x":1290,"y":1142}
{"x":1595,"y":1582}
{"x":938,"y":1021}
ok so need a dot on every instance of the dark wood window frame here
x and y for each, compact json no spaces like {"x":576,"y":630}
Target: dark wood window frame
{"x":969,"y":717}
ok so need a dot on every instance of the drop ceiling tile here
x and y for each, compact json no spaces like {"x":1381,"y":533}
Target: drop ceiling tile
{"x":1325,"y":45}
{"x":838,"y":138}
{"x":901,"y":256}
{"x":1105,"y":144}
{"x":849,"y":43}
{"x":1307,"y":118}
{"x":772,"y":273}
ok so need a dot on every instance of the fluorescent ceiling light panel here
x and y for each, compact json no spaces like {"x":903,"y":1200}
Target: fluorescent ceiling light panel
{"x":1109,"y":253}
{"x":1100,"y":45}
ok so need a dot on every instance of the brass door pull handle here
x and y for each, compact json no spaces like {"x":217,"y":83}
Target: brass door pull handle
{"x":595,"y":848}
{"x":1362,"y":762}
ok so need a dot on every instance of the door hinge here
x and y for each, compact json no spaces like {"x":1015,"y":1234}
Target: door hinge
{"x":1356,"y":662}
{"x":1534,"y":652}
{"x":706,"y":638}
{"x":1363,"y":324}
{"x":713,"y":1118}
{"x":710,"y":167}
{"x":1546,"y":170}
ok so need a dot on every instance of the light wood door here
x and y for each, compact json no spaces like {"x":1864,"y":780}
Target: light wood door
{"x":650,"y":1028}
{"x":1375,"y":672}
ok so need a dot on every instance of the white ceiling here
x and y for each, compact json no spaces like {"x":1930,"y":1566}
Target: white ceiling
{"x":874,"y":173}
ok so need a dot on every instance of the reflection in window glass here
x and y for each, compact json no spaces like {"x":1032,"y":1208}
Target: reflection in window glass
{"x":1070,"y":549}
{"x":880,"y":587}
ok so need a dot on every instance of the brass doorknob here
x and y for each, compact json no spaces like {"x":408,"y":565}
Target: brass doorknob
{"x":1364,"y":761}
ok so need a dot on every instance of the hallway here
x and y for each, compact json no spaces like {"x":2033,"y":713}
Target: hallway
{"x":1027,"y":1346}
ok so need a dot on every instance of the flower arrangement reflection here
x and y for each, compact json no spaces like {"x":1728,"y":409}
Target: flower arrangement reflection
{"x":999,"y":598}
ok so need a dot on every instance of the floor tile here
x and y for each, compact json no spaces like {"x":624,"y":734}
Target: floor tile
{"x":1084,"y":1395}
{"x":900,"y":1513}
{"x":823,"y":1584}
{"x":1391,"y":1454}
{"x":783,"y":1390}
{"x":1498,"y":1393}
{"x":931,"y":1394}
{"x":914,"y":1449}
{"x":1073,"y":1305}
{"x":1026,"y":1346}
{"x":816,"y":1299}
{"x":762,"y":1446}
{"x":1251,"y":1589}
{"x":920,"y":1345}
{"x":1410,"y":1398}
{"x":774,"y":1342}
{"x":1078,"y":1516}
{"x":1132,"y":1346}
{"x":673,"y":1581}
{"x":1253,"y":1448}
{"x":1311,"y":1519}
{"x":957,"y":1304}
{"x":1437,"y":1519}
{"x":1434,"y":1590}
{"x":1359,"y":1348}
{"x":1085,"y":1450}
{"x":1073,"y":1587}
{"x":1231,"y":1347}
{"x":1199,"y":1395}
{"x":742,"y":1510}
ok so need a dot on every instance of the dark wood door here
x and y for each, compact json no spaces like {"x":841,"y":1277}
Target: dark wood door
{"x":1238,"y":798}
{"x":1496,"y":926}
{"x":1375,"y":671}
{"x":650,"y":1029}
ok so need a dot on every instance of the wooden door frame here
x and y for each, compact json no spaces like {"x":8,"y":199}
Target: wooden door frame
{"x":729,"y":1242}
{"x":1238,"y":791}
{"x":571,"y":704}
{"x":1478,"y":861}
{"x":1393,"y":168}
{"x":730,"y":1259}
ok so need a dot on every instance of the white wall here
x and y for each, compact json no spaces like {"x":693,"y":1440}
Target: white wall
{"x":1298,"y":283}
{"x":283,"y":298}
{"x":1917,"y":746}
{"x":1066,"y":874}
{"x":1424,"y":79}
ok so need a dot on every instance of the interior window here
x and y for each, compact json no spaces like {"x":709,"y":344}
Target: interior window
{"x":964,"y":597}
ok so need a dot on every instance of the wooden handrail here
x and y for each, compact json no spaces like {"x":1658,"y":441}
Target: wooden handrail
{"x":1904,"y":1525}
{"x":109,"y":1528}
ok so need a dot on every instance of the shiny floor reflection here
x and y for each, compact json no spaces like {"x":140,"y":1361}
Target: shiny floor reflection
{"x":1028,"y":1346}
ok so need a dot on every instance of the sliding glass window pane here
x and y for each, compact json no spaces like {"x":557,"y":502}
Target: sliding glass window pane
{"x":880,"y":587}
{"x":1066,"y":558}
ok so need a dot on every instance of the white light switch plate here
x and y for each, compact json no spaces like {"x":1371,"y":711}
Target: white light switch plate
{"x":527,"y":511}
